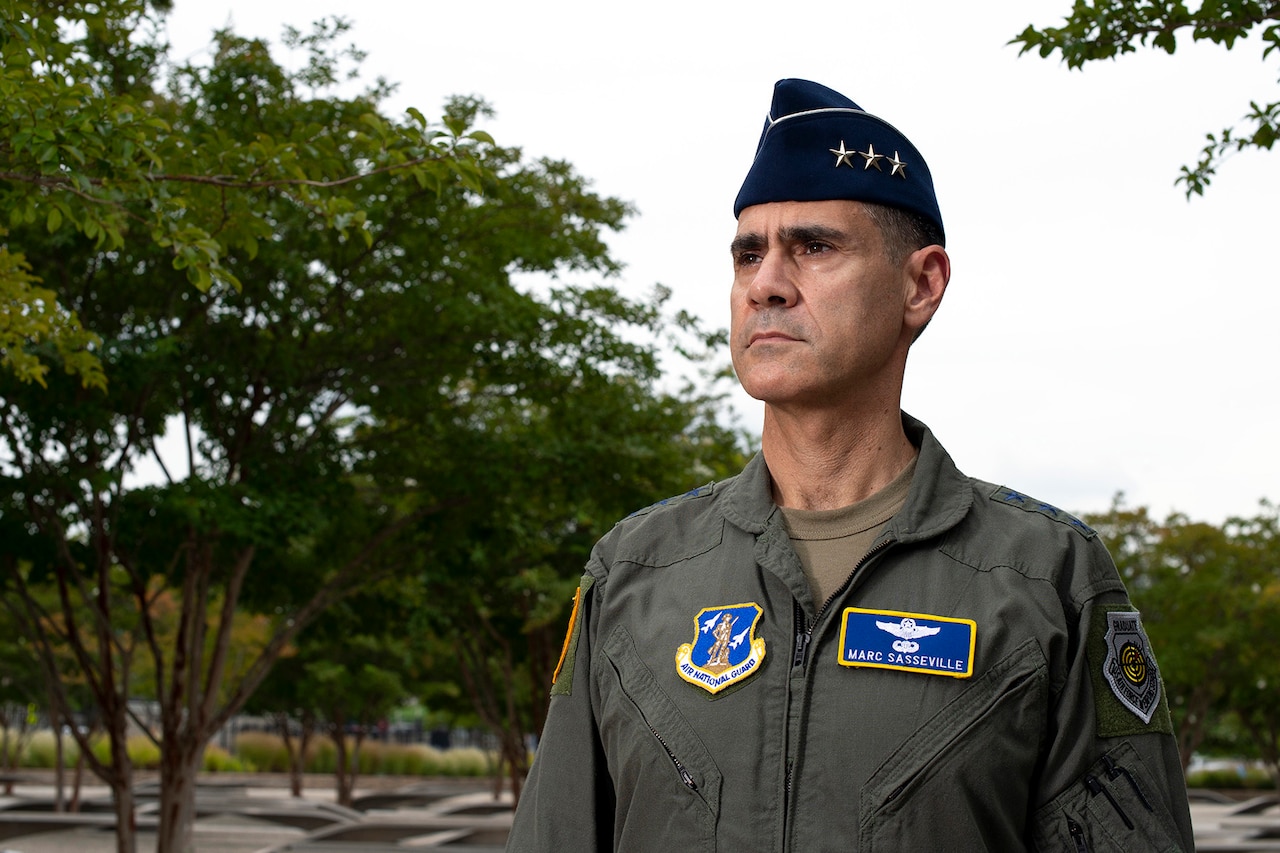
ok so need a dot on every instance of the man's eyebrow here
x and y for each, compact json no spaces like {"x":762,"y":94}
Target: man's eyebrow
{"x":791,"y":234}
{"x":750,"y":242}
{"x":806,"y":233}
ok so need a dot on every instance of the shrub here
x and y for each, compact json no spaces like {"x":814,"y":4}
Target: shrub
{"x":143,"y":753}
{"x":218,"y":760}
{"x":264,"y":751}
{"x":467,"y":761}
{"x":323,"y":757}
{"x":42,"y":752}
{"x":1252,"y":778}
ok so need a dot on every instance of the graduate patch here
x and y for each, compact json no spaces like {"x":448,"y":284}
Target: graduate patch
{"x":725,"y":648}
{"x":1129,"y":667}
{"x":912,"y":642}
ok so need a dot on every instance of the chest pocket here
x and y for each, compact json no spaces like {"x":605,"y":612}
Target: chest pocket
{"x":939,"y":783}
{"x":1107,"y":811}
{"x":663,"y":767}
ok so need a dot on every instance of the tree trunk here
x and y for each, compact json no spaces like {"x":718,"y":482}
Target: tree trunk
{"x":516,"y":758}
{"x":59,"y":772}
{"x":342,"y":782}
{"x":1191,"y":732}
{"x":179,"y":768}
{"x":120,"y":779}
{"x":5,"y":764}
{"x":77,"y":779}
{"x":297,"y":756}
{"x":354,"y":769}
{"x":126,"y":820}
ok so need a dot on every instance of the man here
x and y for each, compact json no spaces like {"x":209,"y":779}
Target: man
{"x":917,"y":659}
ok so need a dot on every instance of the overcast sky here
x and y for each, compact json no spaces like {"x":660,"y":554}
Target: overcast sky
{"x":1100,"y":333}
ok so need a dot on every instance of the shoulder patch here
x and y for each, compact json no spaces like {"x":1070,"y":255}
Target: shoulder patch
{"x":1005,"y":495}
{"x":1127,"y":690}
{"x":562,"y":680}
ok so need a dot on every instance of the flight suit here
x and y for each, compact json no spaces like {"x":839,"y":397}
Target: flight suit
{"x":980,"y":682}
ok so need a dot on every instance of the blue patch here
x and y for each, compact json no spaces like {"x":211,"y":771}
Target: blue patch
{"x":911,"y":642}
{"x":725,"y":648}
{"x":1008,"y":496}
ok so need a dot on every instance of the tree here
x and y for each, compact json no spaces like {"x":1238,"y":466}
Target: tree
{"x":21,"y":690}
{"x":501,"y":591}
{"x":88,"y":145}
{"x":346,"y":673}
{"x":323,"y":315}
{"x":285,"y":697}
{"x":1207,"y":596}
{"x":1255,"y":696}
{"x":1105,"y":29}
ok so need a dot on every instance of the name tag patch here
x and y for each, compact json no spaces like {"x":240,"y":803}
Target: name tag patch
{"x":912,"y":642}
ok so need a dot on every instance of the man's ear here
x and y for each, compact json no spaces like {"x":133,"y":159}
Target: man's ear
{"x":926,"y":273}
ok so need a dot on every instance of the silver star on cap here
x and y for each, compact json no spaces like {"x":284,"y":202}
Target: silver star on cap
{"x":872,"y":158}
{"x":899,"y":167}
{"x":842,"y":156}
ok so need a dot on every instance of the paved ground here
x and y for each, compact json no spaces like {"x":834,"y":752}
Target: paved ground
{"x":255,"y":814}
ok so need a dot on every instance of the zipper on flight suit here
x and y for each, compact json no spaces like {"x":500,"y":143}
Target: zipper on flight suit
{"x":685,"y":776}
{"x":804,"y":628}
{"x":1077,"y":836}
{"x":800,"y":655}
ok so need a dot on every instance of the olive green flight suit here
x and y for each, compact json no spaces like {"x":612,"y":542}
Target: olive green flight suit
{"x":1032,"y":749}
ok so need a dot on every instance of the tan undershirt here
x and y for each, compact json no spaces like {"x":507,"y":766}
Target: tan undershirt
{"x":830,"y":542}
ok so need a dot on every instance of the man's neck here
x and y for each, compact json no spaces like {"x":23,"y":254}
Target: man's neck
{"x":828,"y":460}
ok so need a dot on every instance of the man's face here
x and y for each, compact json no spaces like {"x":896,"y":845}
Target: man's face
{"x":817,"y":307}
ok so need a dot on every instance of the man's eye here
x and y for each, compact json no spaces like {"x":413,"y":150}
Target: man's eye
{"x":745,"y":259}
{"x":815,"y":248}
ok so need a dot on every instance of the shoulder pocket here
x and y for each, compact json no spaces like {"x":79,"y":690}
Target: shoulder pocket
{"x":1112,"y":808}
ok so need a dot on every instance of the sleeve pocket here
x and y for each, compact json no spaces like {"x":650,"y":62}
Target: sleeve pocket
{"x":1112,"y":807}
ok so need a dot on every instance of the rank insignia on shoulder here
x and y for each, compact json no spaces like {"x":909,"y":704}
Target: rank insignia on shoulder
{"x":725,"y":648}
{"x":1008,"y":496}
{"x":1129,"y":667}
{"x":911,"y":642}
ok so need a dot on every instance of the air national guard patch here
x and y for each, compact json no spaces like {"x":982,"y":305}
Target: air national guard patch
{"x":725,"y":648}
{"x":1129,"y":667}
{"x":912,"y":642}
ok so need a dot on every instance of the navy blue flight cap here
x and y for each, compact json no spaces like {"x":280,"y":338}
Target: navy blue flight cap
{"x":818,"y":145}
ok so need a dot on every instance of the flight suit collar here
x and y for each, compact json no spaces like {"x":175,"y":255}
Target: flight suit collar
{"x":939,"y":496}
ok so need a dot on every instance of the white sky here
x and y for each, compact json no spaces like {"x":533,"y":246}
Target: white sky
{"x":1100,"y":334}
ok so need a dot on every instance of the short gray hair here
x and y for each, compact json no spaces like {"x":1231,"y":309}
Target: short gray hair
{"x":902,"y":231}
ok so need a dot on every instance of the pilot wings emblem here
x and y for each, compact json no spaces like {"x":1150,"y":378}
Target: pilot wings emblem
{"x":907,"y":631}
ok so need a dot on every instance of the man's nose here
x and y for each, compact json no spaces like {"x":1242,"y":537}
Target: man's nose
{"x":774,"y":284}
